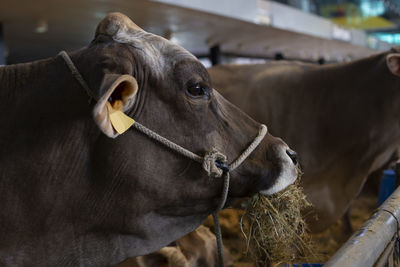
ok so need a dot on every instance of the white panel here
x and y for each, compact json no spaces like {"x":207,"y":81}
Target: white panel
{"x":358,"y":37}
{"x":238,"y":9}
{"x":292,"y":19}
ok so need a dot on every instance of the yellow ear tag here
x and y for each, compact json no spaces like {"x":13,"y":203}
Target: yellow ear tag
{"x":119,"y":120}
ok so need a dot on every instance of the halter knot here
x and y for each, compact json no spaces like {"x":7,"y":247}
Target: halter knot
{"x":210,"y":162}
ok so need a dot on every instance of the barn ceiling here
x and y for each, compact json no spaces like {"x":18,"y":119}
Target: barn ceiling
{"x":71,"y":25}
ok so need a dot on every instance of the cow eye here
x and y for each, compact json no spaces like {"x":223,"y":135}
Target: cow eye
{"x":198,"y":90}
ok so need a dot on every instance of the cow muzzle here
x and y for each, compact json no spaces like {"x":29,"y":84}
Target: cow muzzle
{"x":289,"y":170}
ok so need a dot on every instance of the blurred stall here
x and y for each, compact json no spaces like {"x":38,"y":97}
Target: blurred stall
{"x":236,"y":28}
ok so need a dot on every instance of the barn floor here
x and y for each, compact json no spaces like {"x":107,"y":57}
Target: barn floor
{"x":326,"y":243}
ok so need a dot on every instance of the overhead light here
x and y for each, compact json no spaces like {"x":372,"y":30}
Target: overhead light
{"x":41,"y":26}
{"x":372,"y":8}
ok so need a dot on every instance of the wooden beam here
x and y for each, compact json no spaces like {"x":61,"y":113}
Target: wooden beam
{"x":2,"y":47}
{"x":215,"y":55}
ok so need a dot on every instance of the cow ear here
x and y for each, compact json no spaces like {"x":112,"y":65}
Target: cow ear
{"x":119,"y":92}
{"x":393,"y":63}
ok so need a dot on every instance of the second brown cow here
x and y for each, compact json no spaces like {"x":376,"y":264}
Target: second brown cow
{"x":342,"y":119}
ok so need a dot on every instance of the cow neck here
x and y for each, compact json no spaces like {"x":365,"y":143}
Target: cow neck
{"x":213,"y":162}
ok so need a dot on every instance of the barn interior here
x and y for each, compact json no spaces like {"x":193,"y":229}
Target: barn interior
{"x":320,"y":32}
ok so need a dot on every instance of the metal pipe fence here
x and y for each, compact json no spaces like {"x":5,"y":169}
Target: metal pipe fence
{"x":375,"y":242}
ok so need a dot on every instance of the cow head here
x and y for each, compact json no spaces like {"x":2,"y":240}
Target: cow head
{"x":151,"y":195}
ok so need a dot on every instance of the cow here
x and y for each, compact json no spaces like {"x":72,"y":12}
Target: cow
{"x":76,"y":191}
{"x":194,"y":249}
{"x":342,"y":119}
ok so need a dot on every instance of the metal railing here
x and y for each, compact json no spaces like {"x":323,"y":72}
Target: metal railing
{"x":375,"y":241}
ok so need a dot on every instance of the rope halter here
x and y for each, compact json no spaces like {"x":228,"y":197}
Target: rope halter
{"x":214,"y":162}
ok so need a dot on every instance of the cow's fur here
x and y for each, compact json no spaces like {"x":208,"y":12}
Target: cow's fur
{"x":72,"y":196}
{"x":342,"y":119}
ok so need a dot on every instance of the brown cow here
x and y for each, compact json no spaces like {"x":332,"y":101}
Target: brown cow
{"x":343,"y":119}
{"x":74,"y":192}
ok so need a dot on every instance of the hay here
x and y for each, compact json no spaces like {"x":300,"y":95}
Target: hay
{"x":275,"y":230}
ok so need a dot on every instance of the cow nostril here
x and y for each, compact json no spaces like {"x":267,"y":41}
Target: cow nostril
{"x":292,"y":155}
